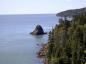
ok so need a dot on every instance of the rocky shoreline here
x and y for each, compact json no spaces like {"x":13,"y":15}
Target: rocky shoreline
{"x":42,"y":53}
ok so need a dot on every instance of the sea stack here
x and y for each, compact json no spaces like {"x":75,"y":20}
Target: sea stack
{"x":38,"y":30}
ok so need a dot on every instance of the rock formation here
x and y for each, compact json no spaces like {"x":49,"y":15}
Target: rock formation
{"x":38,"y":31}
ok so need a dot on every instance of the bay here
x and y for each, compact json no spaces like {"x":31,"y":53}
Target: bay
{"x":17,"y":46}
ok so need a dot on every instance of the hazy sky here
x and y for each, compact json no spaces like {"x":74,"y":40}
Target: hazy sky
{"x":38,"y":6}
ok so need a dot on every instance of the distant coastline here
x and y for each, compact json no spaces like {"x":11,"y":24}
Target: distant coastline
{"x":72,"y":12}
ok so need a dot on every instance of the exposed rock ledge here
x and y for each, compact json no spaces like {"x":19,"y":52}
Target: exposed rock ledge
{"x":38,"y":31}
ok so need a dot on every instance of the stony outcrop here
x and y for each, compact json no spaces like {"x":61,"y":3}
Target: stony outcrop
{"x":38,"y":30}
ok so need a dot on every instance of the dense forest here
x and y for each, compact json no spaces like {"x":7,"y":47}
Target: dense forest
{"x":72,"y":12}
{"x":67,"y":42}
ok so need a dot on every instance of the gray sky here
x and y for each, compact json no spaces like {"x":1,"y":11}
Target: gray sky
{"x":38,"y":6}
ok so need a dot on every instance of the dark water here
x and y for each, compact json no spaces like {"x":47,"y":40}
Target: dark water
{"x":17,"y":46}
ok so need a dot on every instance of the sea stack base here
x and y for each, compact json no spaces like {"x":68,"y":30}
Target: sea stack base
{"x":38,"y":31}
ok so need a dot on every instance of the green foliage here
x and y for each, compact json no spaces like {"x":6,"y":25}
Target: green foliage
{"x":67,"y":42}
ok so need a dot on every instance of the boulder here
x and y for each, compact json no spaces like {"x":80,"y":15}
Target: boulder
{"x":38,"y":30}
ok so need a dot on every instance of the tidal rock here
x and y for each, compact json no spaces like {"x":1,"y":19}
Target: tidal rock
{"x":38,"y":30}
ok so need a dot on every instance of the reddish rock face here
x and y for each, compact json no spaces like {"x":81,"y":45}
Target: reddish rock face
{"x":38,"y":30}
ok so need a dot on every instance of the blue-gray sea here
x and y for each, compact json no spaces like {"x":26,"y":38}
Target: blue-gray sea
{"x":17,"y":46}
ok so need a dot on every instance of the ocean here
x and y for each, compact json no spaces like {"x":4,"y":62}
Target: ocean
{"x":17,"y":45}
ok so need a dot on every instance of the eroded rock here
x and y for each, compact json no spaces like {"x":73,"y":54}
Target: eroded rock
{"x":38,"y":30}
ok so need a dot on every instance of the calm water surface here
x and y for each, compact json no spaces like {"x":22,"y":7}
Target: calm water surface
{"x":17,"y":46}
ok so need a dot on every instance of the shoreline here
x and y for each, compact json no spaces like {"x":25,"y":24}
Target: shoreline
{"x":42,"y":53}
